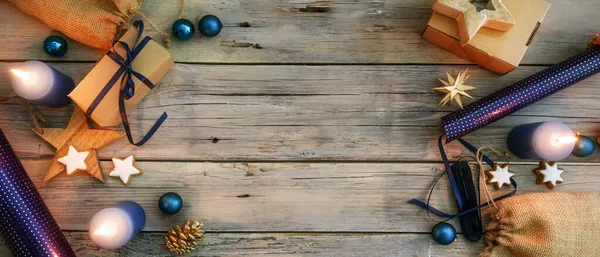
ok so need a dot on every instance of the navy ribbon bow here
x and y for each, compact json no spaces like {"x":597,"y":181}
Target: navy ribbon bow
{"x":455,"y":185}
{"x":127,"y":88}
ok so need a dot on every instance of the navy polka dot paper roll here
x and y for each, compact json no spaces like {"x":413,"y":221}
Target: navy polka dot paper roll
{"x":26,"y":225}
{"x":525,"y":92}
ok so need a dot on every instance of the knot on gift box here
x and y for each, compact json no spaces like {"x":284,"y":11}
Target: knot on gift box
{"x":127,"y":85}
{"x":128,"y":88}
{"x":471,"y":18}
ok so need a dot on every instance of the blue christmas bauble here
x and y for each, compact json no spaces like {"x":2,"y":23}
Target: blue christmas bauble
{"x":170,"y":203}
{"x":210,"y":25}
{"x":584,"y":146}
{"x":183,"y":29}
{"x":443,"y":233}
{"x":55,"y":46}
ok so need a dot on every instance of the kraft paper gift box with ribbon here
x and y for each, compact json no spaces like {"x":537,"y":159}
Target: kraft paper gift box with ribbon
{"x":495,"y":38}
{"x":122,"y":78}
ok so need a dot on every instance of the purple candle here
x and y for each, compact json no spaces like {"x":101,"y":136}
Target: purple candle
{"x":548,"y":141}
{"x":41,"y":83}
{"x":26,"y":225}
{"x":525,"y":92}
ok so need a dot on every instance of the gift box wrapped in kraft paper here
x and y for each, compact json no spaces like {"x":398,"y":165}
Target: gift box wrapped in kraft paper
{"x":135,"y":63}
{"x":494,"y":37}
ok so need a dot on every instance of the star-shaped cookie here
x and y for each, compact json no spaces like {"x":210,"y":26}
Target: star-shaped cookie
{"x":74,"y":160}
{"x":499,"y":175}
{"x":124,"y":169}
{"x":81,"y":137}
{"x":548,"y":173}
{"x":495,"y":16}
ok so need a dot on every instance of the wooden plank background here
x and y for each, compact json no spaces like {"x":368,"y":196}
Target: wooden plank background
{"x":297,"y":133}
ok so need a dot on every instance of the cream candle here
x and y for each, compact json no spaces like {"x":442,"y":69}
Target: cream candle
{"x":113,"y":227}
{"x":39,"y":82}
{"x":548,"y":141}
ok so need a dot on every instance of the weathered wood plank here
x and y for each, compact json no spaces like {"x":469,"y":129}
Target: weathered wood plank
{"x":350,"y":31}
{"x":284,"y":244}
{"x":305,"y":113}
{"x":278,"y":196}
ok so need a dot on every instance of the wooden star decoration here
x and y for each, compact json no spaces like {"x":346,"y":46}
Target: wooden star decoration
{"x":470,"y":20}
{"x":79,"y":135}
{"x":455,"y":88}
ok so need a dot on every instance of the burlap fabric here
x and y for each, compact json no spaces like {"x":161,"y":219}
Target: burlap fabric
{"x":545,"y":224}
{"x":91,"y":22}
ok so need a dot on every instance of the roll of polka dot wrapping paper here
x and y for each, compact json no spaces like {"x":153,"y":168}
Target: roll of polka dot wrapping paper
{"x":521,"y":94}
{"x":26,"y":224}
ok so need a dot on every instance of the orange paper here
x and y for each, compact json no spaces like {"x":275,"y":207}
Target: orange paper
{"x":498,"y":51}
{"x":153,"y":61}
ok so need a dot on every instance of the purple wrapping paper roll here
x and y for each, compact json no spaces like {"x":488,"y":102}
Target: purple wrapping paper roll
{"x":26,"y":224}
{"x":525,"y":92}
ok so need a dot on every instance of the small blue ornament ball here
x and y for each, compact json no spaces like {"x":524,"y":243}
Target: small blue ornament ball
{"x":170,"y":203}
{"x":443,"y":233}
{"x":210,"y":25}
{"x":55,"y":46}
{"x":183,"y":29}
{"x":584,"y":146}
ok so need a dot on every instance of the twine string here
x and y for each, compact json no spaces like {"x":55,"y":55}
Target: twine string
{"x":167,"y":38}
{"x":182,"y":9}
{"x":479,"y":158}
{"x":35,"y":116}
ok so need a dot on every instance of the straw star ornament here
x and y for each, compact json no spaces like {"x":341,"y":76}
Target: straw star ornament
{"x":455,"y":88}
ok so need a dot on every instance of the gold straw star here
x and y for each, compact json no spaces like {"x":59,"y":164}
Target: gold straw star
{"x":454,"y":88}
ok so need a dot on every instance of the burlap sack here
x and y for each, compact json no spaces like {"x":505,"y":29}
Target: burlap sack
{"x":91,"y":22}
{"x":545,"y":224}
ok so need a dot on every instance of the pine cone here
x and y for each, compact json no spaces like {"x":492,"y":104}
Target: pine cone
{"x":595,"y":42}
{"x":183,"y":241}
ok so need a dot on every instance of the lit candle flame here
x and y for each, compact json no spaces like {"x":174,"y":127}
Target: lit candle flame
{"x":105,"y":230}
{"x":561,"y":140}
{"x":25,"y":76}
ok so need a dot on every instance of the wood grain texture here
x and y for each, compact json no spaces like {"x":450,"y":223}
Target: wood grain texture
{"x":285,"y":31}
{"x":302,"y":113}
{"x":283,"y":244}
{"x":306,"y":160}
{"x":323,"y":197}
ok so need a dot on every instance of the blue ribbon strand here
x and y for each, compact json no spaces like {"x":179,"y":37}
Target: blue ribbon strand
{"x":127,"y":88}
{"x":454,"y":185}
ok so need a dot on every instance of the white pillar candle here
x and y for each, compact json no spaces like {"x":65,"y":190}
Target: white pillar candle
{"x":39,"y":82}
{"x":548,"y":141}
{"x":113,"y":227}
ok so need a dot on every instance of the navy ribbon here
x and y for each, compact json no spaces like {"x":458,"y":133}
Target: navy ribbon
{"x":127,"y":88}
{"x":455,"y":187}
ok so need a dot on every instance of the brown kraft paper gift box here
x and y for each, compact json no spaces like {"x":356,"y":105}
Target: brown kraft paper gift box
{"x":495,"y":50}
{"x":153,"y":61}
